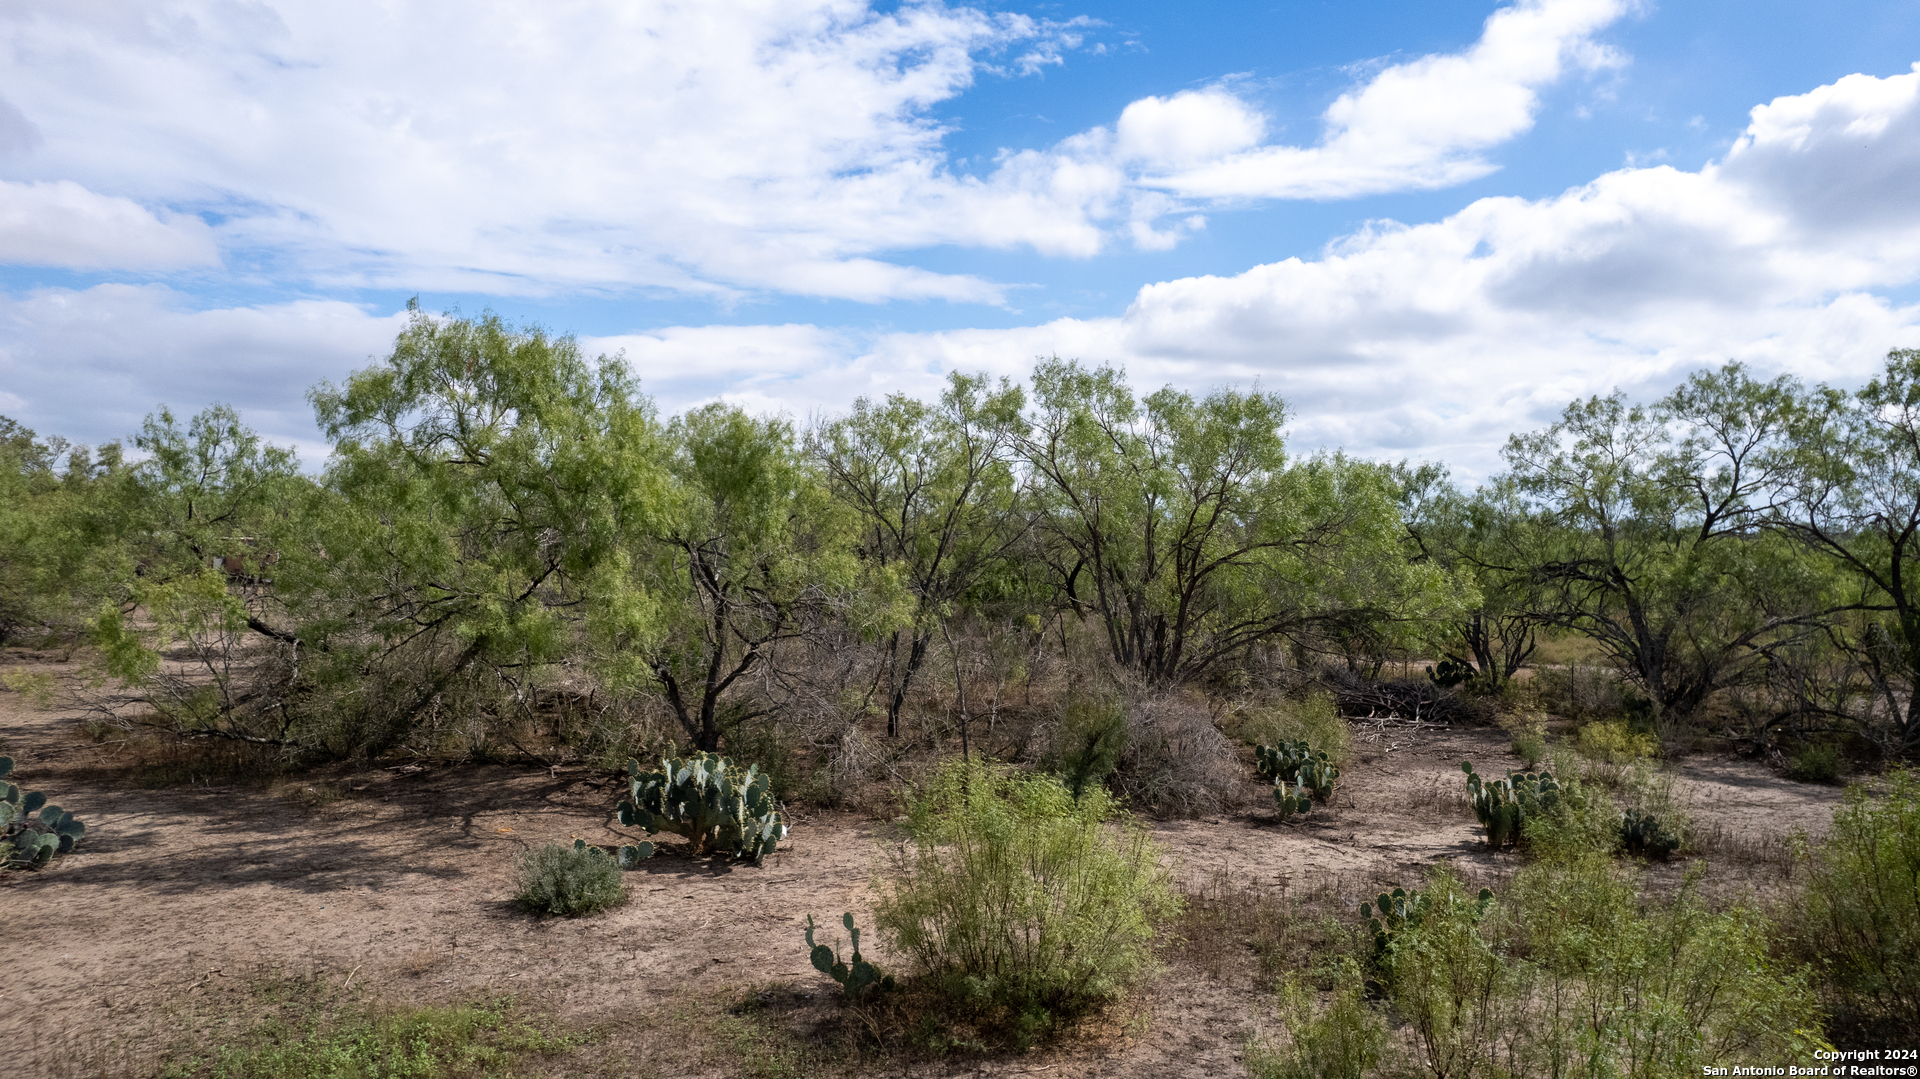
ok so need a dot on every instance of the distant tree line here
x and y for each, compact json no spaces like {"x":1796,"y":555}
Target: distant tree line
{"x":506,"y":530}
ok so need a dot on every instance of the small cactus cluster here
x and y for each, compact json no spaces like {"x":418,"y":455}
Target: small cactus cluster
{"x":709,"y":800}
{"x":1503,"y":805}
{"x":1292,"y":798}
{"x":1396,"y":912}
{"x":27,"y":842}
{"x":855,"y":978}
{"x":1392,"y":913}
{"x":1647,"y":834}
{"x":1297,"y":763}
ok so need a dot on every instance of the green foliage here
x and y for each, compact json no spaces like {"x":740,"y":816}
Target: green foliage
{"x":1011,"y":895}
{"x":1856,"y":504}
{"x":1582,"y":820}
{"x":487,"y":488}
{"x":1615,"y":742}
{"x":1859,"y":916}
{"x":1612,"y":985}
{"x":568,"y":881}
{"x":1503,"y":806}
{"x":435,"y":1042}
{"x":1569,"y":974}
{"x":1400,"y":911}
{"x":59,"y":533}
{"x":1188,"y":534}
{"x":938,"y":500}
{"x":1313,"y":719}
{"x":1642,"y":529}
{"x":1527,"y":727}
{"x":755,"y":555}
{"x":32,"y":832}
{"x":1093,"y":733}
{"x":1448,"y":982}
{"x":1346,"y":1039}
{"x":709,"y":800}
{"x":1817,"y":762}
{"x":855,"y":977}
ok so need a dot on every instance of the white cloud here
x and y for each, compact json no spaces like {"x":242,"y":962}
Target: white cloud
{"x":89,"y":365}
{"x":1435,"y":340}
{"x":709,"y":147}
{"x":498,"y":147}
{"x":1439,"y":340}
{"x":63,"y":224}
{"x":1190,"y":126}
{"x":1423,"y":123}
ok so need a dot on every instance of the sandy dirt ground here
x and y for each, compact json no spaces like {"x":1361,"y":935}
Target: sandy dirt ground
{"x":399,"y":881}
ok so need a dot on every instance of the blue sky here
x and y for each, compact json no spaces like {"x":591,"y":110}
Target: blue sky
{"x":1428,"y":225}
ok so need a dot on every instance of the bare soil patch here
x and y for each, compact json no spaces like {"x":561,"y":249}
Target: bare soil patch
{"x":395,"y":883}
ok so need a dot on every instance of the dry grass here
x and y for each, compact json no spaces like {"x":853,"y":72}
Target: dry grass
{"x":1235,"y":933}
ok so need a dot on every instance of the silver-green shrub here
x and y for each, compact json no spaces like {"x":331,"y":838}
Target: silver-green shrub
{"x":568,"y":881}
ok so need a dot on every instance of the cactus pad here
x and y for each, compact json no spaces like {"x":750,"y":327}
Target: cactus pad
{"x":708,"y":799}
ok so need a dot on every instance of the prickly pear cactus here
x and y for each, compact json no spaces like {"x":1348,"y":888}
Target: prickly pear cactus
{"x":1282,"y":761}
{"x":1503,"y":806}
{"x":1647,"y":834}
{"x":1319,"y":775}
{"x":1292,"y":798}
{"x":855,"y":978}
{"x":1450,"y":673}
{"x":27,"y":841}
{"x":1290,"y":761}
{"x":709,"y":800}
{"x":1401,"y":911}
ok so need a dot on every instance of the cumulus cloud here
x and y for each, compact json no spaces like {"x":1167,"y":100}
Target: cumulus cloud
{"x":1433,"y":340}
{"x":713,"y":147}
{"x":497,"y":147}
{"x":91,"y":364}
{"x":63,"y":224}
{"x":1420,"y":124}
{"x":1439,"y":340}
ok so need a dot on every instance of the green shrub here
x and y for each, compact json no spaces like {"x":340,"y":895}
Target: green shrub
{"x":1344,"y":1040}
{"x":1313,"y":719}
{"x":568,"y":881}
{"x":1012,"y":894}
{"x":1582,"y":821}
{"x":1859,"y":916}
{"x":1087,"y":746}
{"x":1655,"y":989}
{"x":1527,"y":729}
{"x":1818,"y":762}
{"x":1569,"y":974}
{"x":1614,"y":742}
{"x":1459,"y":995}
